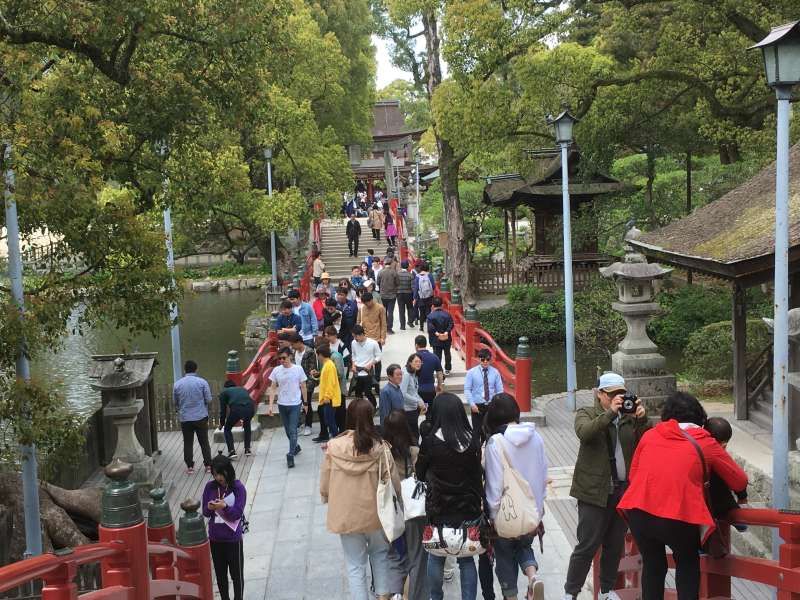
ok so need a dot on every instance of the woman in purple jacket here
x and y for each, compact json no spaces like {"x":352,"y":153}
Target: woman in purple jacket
{"x":224,"y":498}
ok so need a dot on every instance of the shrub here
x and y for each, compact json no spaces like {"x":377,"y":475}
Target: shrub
{"x":597,"y":325}
{"x":228,"y":269}
{"x":686,"y":310}
{"x":541,"y":323}
{"x":525,"y":294}
{"x":709,"y":351}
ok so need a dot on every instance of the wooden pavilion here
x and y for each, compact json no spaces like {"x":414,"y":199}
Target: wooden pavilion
{"x":733,"y":239}
{"x":540,"y":189}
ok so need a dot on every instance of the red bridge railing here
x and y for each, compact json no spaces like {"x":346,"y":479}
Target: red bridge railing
{"x":469,"y":338}
{"x":716,"y":573}
{"x":138,"y":560}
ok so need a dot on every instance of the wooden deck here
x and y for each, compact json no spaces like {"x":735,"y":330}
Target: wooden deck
{"x":561,"y":445}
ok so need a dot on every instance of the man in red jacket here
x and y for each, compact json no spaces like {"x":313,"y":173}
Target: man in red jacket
{"x":608,"y":439}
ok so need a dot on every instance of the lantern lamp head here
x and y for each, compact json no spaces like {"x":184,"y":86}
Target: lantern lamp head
{"x":781,"y":50}
{"x":562,"y":125}
{"x":161,"y":147}
{"x":268,"y":153}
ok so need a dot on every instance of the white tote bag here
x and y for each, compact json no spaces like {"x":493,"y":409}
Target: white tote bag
{"x":518,"y":514}
{"x":390,"y":507}
{"x":413,"y":492}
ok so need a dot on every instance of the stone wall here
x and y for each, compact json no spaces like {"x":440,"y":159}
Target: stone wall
{"x":228,"y":284}
{"x":256,"y":328}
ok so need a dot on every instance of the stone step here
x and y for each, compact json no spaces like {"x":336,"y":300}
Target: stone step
{"x":238,"y":433}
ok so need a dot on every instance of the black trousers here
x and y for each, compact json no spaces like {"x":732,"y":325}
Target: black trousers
{"x":190,"y":429}
{"x":363,"y":387}
{"x":477,"y":420}
{"x":309,"y":417}
{"x":448,"y":360}
{"x":352,"y":245}
{"x":388,"y":304}
{"x":405,"y":303}
{"x":376,"y":234}
{"x":423,"y":310}
{"x":229,"y":557}
{"x":597,"y":526}
{"x":237,"y":413}
{"x":340,"y":412}
{"x":486,"y":576}
{"x":652,"y":534}
{"x":412,"y":416}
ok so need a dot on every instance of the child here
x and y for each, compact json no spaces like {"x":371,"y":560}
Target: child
{"x":722,"y":500}
{"x":356,"y":278}
{"x":224,"y":499}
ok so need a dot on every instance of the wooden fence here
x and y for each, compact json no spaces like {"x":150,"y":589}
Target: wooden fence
{"x":166,"y":419}
{"x":497,"y":276}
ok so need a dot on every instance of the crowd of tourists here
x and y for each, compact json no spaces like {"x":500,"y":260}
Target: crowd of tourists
{"x":420,"y":483}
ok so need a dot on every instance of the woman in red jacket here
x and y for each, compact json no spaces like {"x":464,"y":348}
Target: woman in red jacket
{"x":665,"y":504}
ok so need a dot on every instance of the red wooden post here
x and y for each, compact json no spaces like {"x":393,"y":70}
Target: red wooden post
{"x":789,"y":554}
{"x":233,"y":368}
{"x":122,"y":521}
{"x":470,"y":337}
{"x":370,"y":193}
{"x":160,"y":529}
{"x":193,"y":539}
{"x":59,"y":583}
{"x":523,"y":368}
{"x":457,"y":312}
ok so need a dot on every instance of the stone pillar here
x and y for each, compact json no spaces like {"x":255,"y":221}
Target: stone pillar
{"x":123,"y":408}
{"x":637,"y":358}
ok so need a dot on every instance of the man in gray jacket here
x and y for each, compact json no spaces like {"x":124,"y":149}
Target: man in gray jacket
{"x":387,"y":283}
{"x":405,"y":296}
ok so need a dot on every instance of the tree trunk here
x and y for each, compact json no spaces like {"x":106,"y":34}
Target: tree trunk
{"x":651,"y":177}
{"x":689,"y":200}
{"x":458,"y":260}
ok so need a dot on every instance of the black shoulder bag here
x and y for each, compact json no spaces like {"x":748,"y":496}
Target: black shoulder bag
{"x":718,"y":544}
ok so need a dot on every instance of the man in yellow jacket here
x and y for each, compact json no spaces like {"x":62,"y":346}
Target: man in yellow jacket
{"x":330,"y":392}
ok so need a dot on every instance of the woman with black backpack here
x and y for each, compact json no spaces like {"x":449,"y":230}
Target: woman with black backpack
{"x":450,"y":464}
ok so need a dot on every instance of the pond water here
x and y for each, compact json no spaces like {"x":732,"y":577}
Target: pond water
{"x":212,"y":325}
{"x":550,"y":371}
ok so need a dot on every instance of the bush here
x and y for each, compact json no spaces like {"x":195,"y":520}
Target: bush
{"x":709,"y":351}
{"x":686,"y":310}
{"x":525,"y":294}
{"x":597,"y":325}
{"x":541,"y":323}
{"x":229,"y":269}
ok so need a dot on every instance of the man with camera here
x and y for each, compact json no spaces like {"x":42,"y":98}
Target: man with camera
{"x":608,"y":434}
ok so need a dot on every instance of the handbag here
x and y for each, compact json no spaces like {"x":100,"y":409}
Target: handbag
{"x":718,"y":542}
{"x":390,"y":508}
{"x":413,"y":493}
{"x":518,"y":514}
{"x":460,"y":542}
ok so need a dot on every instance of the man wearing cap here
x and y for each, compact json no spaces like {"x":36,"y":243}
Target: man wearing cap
{"x":308,"y":320}
{"x":608,"y":439}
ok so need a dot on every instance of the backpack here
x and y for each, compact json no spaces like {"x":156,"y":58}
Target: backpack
{"x":518,"y":514}
{"x":424,"y":287}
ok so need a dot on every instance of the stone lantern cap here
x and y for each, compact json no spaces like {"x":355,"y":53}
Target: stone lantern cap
{"x":119,"y":378}
{"x":634,"y":266}
{"x":794,"y":325}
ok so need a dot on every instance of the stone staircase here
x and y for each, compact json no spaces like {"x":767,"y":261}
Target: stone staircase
{"x":334,"y":248}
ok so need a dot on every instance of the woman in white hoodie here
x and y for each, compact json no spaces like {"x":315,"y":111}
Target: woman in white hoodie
{"x":524,"y":450}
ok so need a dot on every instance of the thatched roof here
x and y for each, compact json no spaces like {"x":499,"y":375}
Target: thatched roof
{"x":733,"y":236}
{"x":390,"y":122}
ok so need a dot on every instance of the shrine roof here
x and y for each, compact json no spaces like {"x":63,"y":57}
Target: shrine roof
{"x":389,"y":122}
{"x":733,"y":236}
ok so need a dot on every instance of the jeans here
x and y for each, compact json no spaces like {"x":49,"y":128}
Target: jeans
{"x":352,"y":245}
{"x":467,"y":572}
{"x":329,"y":418}
{"x":597,"y":526}
{"x":359,"y":550}
{"x":652,"y":534}
{"x":388,"y":304}
{"x":405,"y":304}
{"x":236,"y":413}
{"x":290,"y":417}
{"x":199,"y":428}
{"x":508,"y":555}
{"x":448,"y":360}
{"x":228,"y":557}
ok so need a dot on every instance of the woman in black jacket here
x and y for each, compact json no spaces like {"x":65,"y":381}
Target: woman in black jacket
{"x":450,"y":463}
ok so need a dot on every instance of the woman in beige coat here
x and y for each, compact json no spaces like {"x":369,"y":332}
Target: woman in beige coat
{"x":376,"y":220}
{"x":349,"y":484}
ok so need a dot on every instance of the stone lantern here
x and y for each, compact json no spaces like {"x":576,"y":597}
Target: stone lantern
{"x":637,"y":358}
{"x":123,"y":408}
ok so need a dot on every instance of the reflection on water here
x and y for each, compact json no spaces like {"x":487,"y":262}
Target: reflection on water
{"x":212,"y":325}
{"x":550,"y":367}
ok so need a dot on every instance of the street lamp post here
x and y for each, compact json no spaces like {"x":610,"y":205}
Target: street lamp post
{"x":30,"y":480}
{"x":781,"y":50}
{"x":416,"y":183}
{"x":273,"y":244}
{"x":162,"y":150}
{"x":562,"y":126}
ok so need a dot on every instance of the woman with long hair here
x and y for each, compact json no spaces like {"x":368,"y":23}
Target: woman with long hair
{"x":412,"y":401}
{"x":398,"y":435}
{"x":523,"y":448}
{"x":450,"y":464}
{"x":349,"y":484}
{"x":665,"y":503}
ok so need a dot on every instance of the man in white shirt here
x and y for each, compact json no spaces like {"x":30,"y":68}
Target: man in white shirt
{"x":366,"y":354}
{"x":289,"y":383}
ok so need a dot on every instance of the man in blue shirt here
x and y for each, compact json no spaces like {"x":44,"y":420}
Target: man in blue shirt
{"x":287,"y":321}
{"x":308,"y":320}
{"x":349,"y":310}
{"x":430,"y":375}
{"x":440,"y":324}
{"x":391,"y":397}
{"x":192,"y":396}
{"x":481,"y":384}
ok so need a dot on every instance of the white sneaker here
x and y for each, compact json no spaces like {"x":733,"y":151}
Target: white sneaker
{"x":612,"y":595}
{"x":307,"y":431}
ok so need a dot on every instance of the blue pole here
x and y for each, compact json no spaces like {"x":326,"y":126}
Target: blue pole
{"x":780,"y":382}
{"x":572,"y":383}
{"x":175,"y":330}
{"x":273,"y":241}
{"x":30,"y":479}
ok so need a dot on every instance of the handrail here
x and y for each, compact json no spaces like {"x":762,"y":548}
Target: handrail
{"x":37,"y":567}
{"x":497,"y":350}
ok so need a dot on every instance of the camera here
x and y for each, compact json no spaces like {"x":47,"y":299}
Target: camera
{"x":628,"y":404}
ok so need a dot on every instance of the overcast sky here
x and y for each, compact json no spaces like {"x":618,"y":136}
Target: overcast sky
{"x":386,"y":73}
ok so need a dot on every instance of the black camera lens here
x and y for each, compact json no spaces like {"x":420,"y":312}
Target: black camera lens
{"x":628,"y":403}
